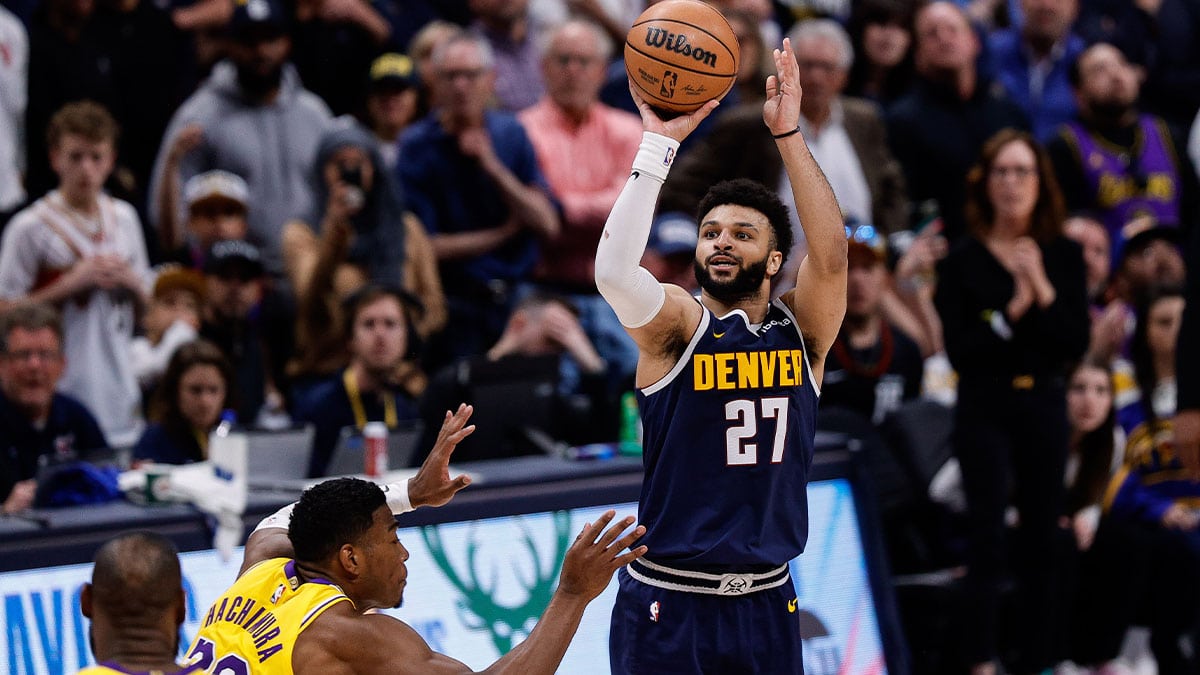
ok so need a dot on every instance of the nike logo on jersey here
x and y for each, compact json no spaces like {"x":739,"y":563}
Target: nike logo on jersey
{"x":719,"y":335}
{"x":792,"y":605}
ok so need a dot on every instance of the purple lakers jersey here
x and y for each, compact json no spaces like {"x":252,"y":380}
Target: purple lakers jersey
{"x":728,"y":439}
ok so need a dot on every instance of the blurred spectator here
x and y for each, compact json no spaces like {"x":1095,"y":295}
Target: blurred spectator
{"x":937,"y":130}
{"x":471,"y":176}
{"x":671,"y":251}
{"x":258,"y":122}
{"x":136,"y":604}
{"x":1187,"y":416}
{"x":909,"y":303}
{"x":614,"y":17}
{"x":1102,"y":581}
{"x":873,"y":366}
{"x":1116,"y":162}
{"x":366,"y":235}
{"x":1014,"y":310}
{"x":565,"y":125}
{"x":1172,"y":87}
{"x":421,"y":49}
{"x":381,"y":382}
{"x":187,"y":406}
{"x":237,"y":321}
{"x":754,"y":57}
{"x":1151,"y":260}
{"x":14,"y":83}
{"x":334,"y":41}
{"x":1032,"y":62}
{"x":37,"y":424}
{"x":172,"y":320}
{"x":1092,"y":237}
{"x":215,"y":203}
{"x":1153,"y":491}
{"x":81,"y":250}
{"x":1128,"y":25}
{"x":505,"y":26}
{"x":125,"y":55}
{"x":881,"y":33}
{"x":846,"y":136}
{"x":392,"y":98}
{"x":541,"y":384}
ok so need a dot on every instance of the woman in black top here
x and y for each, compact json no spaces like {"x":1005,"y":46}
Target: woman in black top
{"x":187,"y":405}
{"x":1013,"y":304}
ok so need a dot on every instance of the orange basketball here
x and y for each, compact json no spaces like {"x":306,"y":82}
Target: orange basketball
{"x":680,"y":54}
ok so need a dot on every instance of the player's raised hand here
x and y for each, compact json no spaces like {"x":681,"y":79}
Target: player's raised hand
{"x":677,"y":128}
{"x":432,"y":486}
{"x":781,"y":111}
{"x":592,"y":559}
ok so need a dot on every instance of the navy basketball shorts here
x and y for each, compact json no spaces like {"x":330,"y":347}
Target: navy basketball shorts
{"x":656,"y":631}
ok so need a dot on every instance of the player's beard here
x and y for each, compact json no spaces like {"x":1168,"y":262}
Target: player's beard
{"x":745,"y":284}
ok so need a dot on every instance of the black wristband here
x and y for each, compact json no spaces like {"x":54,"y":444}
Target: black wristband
{"x":786,"y":133}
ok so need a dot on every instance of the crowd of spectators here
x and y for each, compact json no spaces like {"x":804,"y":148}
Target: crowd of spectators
{"x":335,"y":212}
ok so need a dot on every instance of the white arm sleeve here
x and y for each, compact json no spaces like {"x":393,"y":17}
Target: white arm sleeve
{"x":634,"y":294}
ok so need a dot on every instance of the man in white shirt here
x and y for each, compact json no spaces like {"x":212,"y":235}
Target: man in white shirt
{"x":81,"y":250}
{"x":14,"y":75}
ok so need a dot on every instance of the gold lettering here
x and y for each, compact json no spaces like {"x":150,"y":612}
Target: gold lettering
{"x":767,"y":361}
{"x":798,"y":360}
{"x":702,"y":372}
{"x":747,"y":367}
{"x":1160,"y":186}
{"x":785,"y":369}
{"x":724,"y":371}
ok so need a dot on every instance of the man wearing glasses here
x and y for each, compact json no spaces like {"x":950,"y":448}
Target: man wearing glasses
{"x":37,"y":424}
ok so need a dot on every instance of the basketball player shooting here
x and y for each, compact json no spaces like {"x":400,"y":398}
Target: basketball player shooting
{"x":727,"y":387}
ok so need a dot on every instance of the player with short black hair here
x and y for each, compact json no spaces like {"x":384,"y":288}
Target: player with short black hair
{"x":313,"y":572}
{"x":728,"y":383}
{"x":136,"y":604}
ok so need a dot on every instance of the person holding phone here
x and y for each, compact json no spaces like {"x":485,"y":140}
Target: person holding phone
{"x":361,"y":233}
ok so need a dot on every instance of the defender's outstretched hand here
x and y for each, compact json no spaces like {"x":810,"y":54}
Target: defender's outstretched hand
{"x":677,"y":128}
{"x":432,"y":486}
{"x":781,"y":111}
{"x":590,"y":562}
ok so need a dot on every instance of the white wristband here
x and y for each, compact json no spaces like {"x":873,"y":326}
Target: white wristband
{"x":280,"y":519}
{"x":655,"y":155}
{"x":397,"y":497}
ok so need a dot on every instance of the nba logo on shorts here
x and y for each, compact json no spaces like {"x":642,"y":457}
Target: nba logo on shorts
{"x":654,"y":611}
{"x":668,"y":83}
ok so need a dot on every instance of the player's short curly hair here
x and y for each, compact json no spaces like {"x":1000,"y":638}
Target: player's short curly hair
{"x":331,"y":514}
{"x":754,"y":195}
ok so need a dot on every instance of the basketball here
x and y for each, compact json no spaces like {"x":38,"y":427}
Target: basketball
{"x":680,"y":54}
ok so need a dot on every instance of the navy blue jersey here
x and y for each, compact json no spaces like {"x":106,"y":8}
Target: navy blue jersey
{"x":728,"y":442}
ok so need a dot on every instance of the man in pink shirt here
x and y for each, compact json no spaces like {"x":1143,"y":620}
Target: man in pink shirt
{"x":585,"y":149}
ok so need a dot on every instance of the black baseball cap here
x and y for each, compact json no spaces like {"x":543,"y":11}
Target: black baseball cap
{"x":234,"y":258}
{"x":258,"y":20}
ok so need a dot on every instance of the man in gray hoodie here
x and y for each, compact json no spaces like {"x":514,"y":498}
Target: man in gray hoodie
{"x":253,"y":118}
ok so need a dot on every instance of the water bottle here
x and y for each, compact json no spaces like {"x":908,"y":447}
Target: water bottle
{"x":631,"y":425}
{"x":375,"y":449}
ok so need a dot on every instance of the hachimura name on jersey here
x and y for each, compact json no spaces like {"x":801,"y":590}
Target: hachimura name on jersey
{"x":256,"y":622}
{"x":728,"y":442}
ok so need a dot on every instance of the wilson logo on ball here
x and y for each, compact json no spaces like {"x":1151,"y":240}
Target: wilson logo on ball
{"x":660,"y":38}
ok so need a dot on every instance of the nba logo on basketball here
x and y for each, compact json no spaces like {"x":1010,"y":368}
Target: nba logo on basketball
{"x":654,"y":611}
{"x":668,"y":84}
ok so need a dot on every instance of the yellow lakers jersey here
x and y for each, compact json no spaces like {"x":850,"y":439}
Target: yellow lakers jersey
{"x":113,"y":669}
{"x":253,"y":626}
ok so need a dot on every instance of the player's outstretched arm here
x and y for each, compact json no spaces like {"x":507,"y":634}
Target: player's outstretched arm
{"x":342,"y":641}
{"x":432,"y":486}
{"x":650,"y":312}
{"x":819,"y":299}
